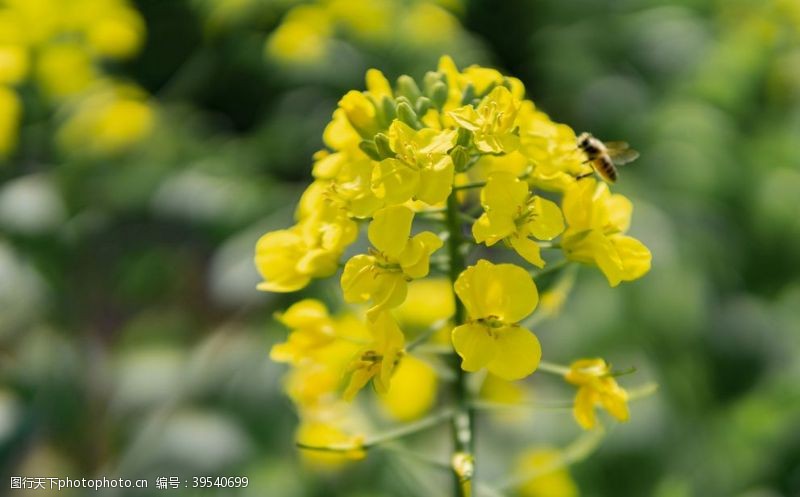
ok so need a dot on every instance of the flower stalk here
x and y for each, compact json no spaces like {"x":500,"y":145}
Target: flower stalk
{"x":463,"y":458}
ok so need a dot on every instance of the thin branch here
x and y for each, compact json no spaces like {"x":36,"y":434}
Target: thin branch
{"x":393,"y":434}
{"x":550,"y":367}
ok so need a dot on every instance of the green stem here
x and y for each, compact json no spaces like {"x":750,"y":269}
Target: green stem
{"x":553,"y":368}
{"x":468,"y":186}
{"x":388,"y":436}
{"x":463,"y":419}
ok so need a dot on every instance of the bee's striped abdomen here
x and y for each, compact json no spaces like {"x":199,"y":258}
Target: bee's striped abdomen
{"x":605,"y":168}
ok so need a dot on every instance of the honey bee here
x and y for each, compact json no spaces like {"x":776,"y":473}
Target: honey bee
{"x":605,"y":157}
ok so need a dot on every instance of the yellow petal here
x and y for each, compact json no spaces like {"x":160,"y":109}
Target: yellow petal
{"x":584,"y":408}
{"x":504,"y":193}
{"x":578,"y":204}
{"x":504,"y":291}
{"x":378,"y":85}
{"x":390,"y":229}
{"x":527,"y":249}
{"x":436,"y":142}
{"x":395,"y":181}
{"x":390,"y":344}
{"x":415,"y":259}
{"x":413,"y":391}
{"x":475,"y":346}
{"x":389,"y":291}
{"x":614,"y":400}
{"x":307,"y":312}
{"x":635,"y":257}
{"x":518,"y":353}
{"x":276,"y":257}
{"x":435,"y":182}
{"x":493,"y":226}
{"x":358,"y":278}
{"x":620,"y":210}
{"x":547,"y":222}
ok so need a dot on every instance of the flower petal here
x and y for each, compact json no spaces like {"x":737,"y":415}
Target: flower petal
{"x":518,"y":353}
{"x":528,"y":249}
{"x":475,"y":346}
{"x":548,"y":221}
{"x":390,"y":229}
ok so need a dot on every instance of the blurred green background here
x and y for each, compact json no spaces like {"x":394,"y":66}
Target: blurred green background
{"x":148,"y":144}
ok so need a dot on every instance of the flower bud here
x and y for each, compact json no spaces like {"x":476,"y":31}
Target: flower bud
{"x":407,"y":87}
{"x":382,"y":146}
{"x":438,"y":94}
{"x":460,"y":158}
{"x":369,"y":148}
{"x":406,"y":114}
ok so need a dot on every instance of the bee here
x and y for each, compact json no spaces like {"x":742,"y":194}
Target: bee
{"x":605,"y":157}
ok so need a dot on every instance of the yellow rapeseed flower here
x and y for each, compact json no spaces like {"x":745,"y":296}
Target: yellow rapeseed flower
{"x":382,"y":275}
{"x":493,"y":123}
{"x":596,"y":226}
{"x":514,"y":215}
{"x":496,"y":298}
{"x":377,"y":360}
{"x":596,"y":387}
{"x":312,"y":328}
{"x":288,"y":259}
{"x":422,"y":169}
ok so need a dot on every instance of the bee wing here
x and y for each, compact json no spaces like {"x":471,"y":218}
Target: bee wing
{"x":623,"y":156}
{"x":616,"y":146}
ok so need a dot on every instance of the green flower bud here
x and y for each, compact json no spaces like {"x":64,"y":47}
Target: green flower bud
{"x":423,"y":104}
{"x":387,"y":112}
{"x":407,"y":87}
{"x":439,"y":94}
{"x":406,"y":114}
{"x":369,"y":148}
{"x":460,"y":158}
{"x":382,"y":145}
{"x":464,"y":137}
{"x":430,"y":80}
{"x":469,"y":94}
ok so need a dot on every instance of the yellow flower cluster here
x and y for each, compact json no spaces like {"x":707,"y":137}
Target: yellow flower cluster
{"x":310,"y":31}
{"x":59,"y":46}
{"x":461,"y":153}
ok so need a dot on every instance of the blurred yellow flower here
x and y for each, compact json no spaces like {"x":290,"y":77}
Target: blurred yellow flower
{"x":64,"y":69}
{"x":14,"y":63}
{"x":116,"y":34}
{"x":311,"y":327}
{"x":302,"y":37}
{"x":288,"y":259}
{"x":382,"y":275}
{"x":597,"y":222}
{"x":497,"y":297}
{"x":428,"y":301}
{"x":596,"y":387}
{"x":553,"y":479}
{"x":514,"y":215}
{"x":377,"y":360}
{"x":10,"y":114}
{"x":322,"y":434}
{"x":413,"y":392}
{"x":107,"y":121}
